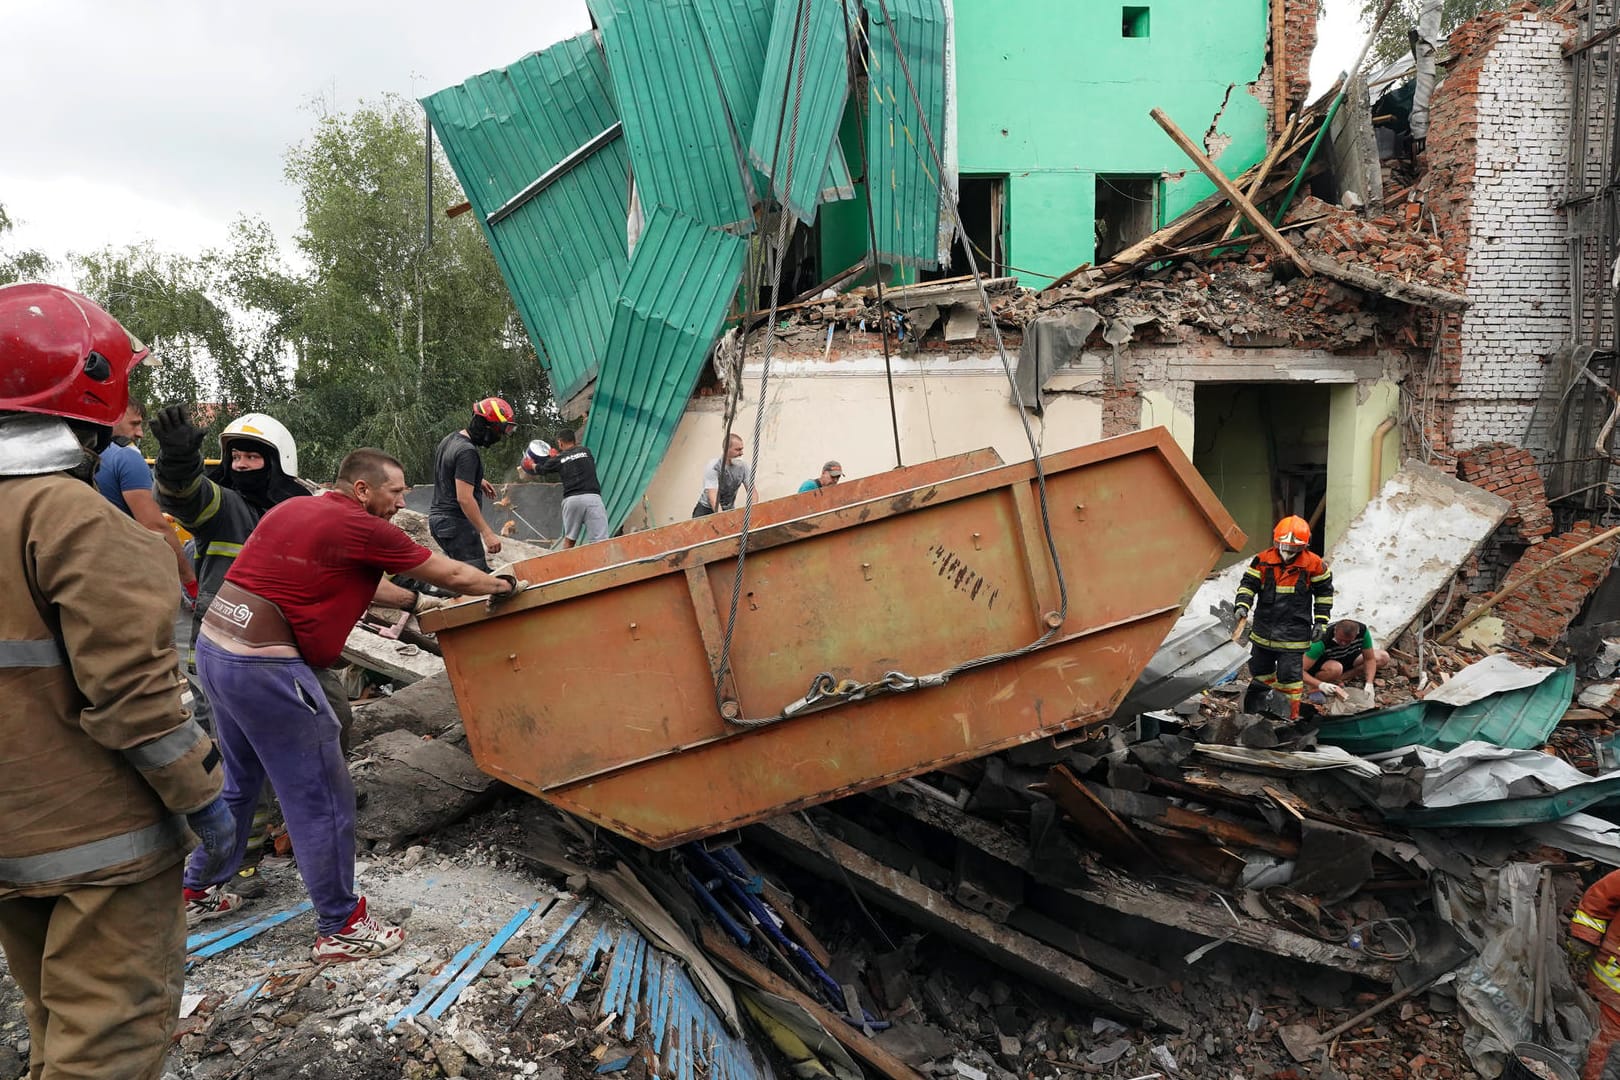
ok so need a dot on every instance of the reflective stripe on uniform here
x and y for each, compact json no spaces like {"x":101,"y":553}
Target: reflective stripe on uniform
{"x":208,"y":511}
{"x":31,"y":654}
{"x":1280,"y":646}
{"x":1581,"y":918}
{"x":1606,"y":969}
{"x":79,"y":862}
{"x":167,"y":749}
{"x":220,"y":547}
{"x":1283,"y":590}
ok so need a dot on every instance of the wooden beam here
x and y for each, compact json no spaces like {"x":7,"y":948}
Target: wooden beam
{"x":1018,"y":953}
{"x":1265,"y":171}
{"x":1407,"y":292}
{"x":1230,"y":190}
{"x":763,"y":977}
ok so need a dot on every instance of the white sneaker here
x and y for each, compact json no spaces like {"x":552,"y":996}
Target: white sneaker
{"x":361,"y":938}
{"x":209,"y":903}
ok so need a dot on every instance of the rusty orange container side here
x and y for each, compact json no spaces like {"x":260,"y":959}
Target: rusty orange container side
{"x":596,"y":691}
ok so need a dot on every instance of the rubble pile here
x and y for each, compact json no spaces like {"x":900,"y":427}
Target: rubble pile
{"x":1392,"y":243}
{"x":1543,"y":609}
{"x":1511,"y":472}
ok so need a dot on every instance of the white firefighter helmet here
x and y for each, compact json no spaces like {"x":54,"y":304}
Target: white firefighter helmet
{"x":265,"y":429}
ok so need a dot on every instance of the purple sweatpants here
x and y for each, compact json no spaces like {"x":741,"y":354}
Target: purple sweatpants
{"x":272,"y":720}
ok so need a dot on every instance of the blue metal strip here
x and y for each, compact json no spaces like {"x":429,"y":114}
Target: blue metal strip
{"x":658,"y":1003}
{"x":557,"y":935}
{"x":470,"y":972}
{"x":247,"y":932}
{"x":634,"y":994}
{"x":434,"y":985}
{"x":601,"y":941}
{"x":608,"y":1000}
{"x":197,"y":941}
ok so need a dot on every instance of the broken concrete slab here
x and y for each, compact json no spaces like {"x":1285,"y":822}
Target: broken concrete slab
{"x":397,"y":660}
{"x":1405,"y":545}
{"x":413,"y":786}
{"x":425,"y":707}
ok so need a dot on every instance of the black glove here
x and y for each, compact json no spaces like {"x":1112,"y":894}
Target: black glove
{"x":216,"y":828}
{"x":179,"y":443}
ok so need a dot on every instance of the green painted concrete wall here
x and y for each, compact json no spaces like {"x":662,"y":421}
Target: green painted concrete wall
{"x":1049,"y":94}
{"x":1353,"y":422}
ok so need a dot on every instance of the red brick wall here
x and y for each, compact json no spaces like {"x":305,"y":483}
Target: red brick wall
{"x":1122,"y":408}
{"x":1299,"y":33}
{"x":1545,"y":607}
{"x":1511,"y":472}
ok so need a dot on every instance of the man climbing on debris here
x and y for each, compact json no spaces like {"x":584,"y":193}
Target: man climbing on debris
{"x":1290,"y":591}
{"x":1345,"y":654}
{"x":104,"y":777}
{"x":831,"y":473}
{"x":583,"y":513}
{"x":1594,"y":934}
{"x":456,"y":517}
{"x":220,"y":507}
{"x":723,"y":478}
{"x":285,"y":609}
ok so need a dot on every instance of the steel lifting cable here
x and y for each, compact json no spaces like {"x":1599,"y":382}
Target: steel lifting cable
{"x":825,"y":689}
{"x":800,"y":53}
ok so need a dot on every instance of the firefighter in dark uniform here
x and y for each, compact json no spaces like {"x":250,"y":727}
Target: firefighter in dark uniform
{"x":1289,"y":590}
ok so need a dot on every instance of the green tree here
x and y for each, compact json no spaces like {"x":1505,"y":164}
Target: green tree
{"x":395,"y":339}
{"x":1392,"y":42}
{"x":24,"y":265}
{"x":377,"y":340}
{"x":170,"y":302}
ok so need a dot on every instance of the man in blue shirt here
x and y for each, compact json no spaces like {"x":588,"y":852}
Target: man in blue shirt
{"x":125,"y":479}
{"x":831,"y":473}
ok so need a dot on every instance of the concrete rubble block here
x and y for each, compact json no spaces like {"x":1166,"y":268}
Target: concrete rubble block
{"x":427,"y":707}
{"x":413,"y":786}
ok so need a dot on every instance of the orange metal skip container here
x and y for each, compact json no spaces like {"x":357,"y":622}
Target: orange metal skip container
{"x":596,"y":690}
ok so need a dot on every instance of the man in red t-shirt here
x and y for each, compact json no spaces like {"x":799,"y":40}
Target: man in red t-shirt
{"x":286,"y":606}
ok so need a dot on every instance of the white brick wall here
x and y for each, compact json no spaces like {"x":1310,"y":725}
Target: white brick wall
{"x":1518,"y":277}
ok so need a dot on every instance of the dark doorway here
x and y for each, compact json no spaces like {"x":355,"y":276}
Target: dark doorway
{"x":1263,"y":448}
{"x":980,"y":202}
{"x":1126,"y":211}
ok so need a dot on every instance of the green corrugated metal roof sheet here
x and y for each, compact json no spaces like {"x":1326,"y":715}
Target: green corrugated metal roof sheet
{"x":1506,"y":813}
{"x":563,"y":253}
{"x":674,"y":113}
{"x":738,"y":33}
{"x":824,"y":39}
{"x":682,"y":279}
{"x":903,"y":180}
{"x":1517,"y":719}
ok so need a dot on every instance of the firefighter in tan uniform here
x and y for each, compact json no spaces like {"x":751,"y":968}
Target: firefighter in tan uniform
{"x":104,"y":778}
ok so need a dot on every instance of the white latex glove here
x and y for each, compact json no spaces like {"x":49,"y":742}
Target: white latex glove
{"x":426,"y":602}
{"x":1332,"y":689}
{"x":1368,"y":686}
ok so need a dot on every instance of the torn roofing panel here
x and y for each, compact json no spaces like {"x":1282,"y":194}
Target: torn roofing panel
{"x":904,"y":179}
{"x":801,"y":101}
{"x":681,"y":281}
{"x":1519,"y":719}
{"x":562,"y":252}
{"x":675,"y":117}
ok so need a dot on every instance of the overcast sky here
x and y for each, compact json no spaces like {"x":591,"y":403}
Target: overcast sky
{"x":165,"y":119}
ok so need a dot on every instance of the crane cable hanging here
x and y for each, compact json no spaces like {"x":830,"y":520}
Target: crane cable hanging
{"x":825,"y":689}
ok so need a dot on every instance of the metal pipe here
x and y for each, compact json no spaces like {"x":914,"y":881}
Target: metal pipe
{"x":556,"y":172}
{"x":1376,"y":481}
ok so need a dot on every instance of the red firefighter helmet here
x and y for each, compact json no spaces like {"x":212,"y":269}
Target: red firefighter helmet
{"x":1292,"y":536}
{"x":62,"y":355}
{"x":499,"y":414}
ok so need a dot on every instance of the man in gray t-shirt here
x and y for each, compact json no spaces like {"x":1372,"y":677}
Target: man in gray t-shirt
{"x":720,"y":485}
